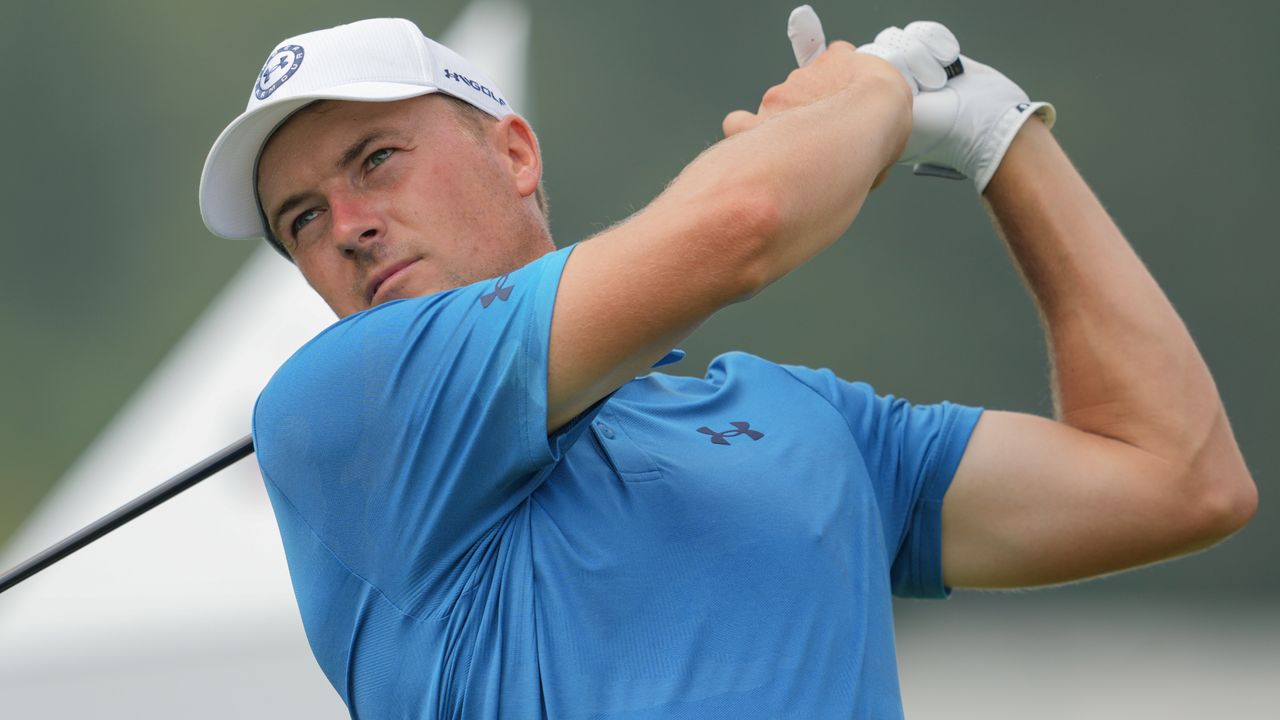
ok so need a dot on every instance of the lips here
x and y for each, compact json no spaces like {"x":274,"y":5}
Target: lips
{"x":383,"y":276}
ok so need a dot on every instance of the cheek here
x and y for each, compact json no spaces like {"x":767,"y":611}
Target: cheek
{"x":444,"y":205}
{"x":416,"y":199}
{"x":460,"y":209}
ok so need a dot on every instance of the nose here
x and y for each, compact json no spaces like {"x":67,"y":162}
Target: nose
{"x":356,"y":223}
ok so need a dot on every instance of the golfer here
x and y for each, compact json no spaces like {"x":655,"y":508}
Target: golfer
{"x":493,"y":506}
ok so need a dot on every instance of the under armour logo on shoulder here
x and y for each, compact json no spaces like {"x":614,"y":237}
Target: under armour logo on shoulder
{"x":500,"y":292}
{"x":722,"y":438}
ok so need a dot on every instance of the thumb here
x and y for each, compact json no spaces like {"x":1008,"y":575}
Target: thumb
{"x":805,"y":31}
{"x":738,"y":121}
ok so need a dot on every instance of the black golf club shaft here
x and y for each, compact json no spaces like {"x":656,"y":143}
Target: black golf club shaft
{"x":165,"y":491}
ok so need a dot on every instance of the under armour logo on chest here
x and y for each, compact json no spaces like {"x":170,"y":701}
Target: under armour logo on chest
{"x":740,"y":428}
{"x":500,"y":292}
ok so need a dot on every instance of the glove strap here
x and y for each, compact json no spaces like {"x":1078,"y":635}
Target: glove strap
{"x":938,"y":171}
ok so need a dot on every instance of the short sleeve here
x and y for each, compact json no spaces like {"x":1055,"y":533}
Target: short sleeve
{"x":402,"y":435}
{"x":911,"y":453}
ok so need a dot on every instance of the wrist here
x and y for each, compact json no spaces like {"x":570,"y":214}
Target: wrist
{"x":1030,"y":147}
{"x":883,"y":90}
{"x":989,"y":153}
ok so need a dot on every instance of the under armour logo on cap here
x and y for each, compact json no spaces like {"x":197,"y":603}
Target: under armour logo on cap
{"x":722,"y":438}
{"x":281,"y":66}
{"x":377,"y":60}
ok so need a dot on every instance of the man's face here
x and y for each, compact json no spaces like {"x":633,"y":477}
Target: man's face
{"x":379,"y":201}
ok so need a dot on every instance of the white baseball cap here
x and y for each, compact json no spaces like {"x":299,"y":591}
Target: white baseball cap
{"x":371,"y":61}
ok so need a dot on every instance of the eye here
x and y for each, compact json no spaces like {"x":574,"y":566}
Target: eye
{"x":378,"y":157}
{"x":302,"y":219}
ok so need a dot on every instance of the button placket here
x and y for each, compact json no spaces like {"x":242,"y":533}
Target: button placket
{"x":628,"y":458}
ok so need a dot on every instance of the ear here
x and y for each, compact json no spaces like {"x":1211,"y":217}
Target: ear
{"x":519,"y":148}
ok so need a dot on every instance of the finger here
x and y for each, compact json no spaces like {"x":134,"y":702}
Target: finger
{"x":926,"y":70}
{"x":884,"y":175}
{"x":940,"y":41}
{"x":891,"y":53}
{"x":805,"y":31}
{"x":738,"y":121}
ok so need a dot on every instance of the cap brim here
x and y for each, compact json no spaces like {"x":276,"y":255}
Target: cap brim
{"x":227,"y":200}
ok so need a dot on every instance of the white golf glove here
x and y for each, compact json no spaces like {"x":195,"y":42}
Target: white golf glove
{"x":965,"y":113}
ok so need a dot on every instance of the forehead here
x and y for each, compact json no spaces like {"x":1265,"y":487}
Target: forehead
{"x":325,"y":123}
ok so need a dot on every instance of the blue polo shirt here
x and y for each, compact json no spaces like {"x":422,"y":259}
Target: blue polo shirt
{"x":717,"y":547}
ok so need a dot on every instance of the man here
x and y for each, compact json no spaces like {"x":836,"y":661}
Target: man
{"x":487,"y":514}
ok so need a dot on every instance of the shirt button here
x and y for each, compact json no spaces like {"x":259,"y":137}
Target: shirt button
{"x":605,"y":430}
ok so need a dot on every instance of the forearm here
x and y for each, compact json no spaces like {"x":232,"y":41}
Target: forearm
{"x":807,"y":170}
{"x":1124,"y":365}
{"x":742,"y":214}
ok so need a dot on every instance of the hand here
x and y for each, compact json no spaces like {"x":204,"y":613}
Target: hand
{"x":965,"y":128}
{"x":835,"y":70}
{"x":965,"y":114}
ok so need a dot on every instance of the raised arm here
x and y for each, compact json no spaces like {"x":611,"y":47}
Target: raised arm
{"x":785,"y":184}
{"x":1141,"y":464}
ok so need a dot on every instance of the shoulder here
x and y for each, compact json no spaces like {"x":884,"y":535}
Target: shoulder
{"x":823,"y":381}
{"x":738,"y":364}
{"x":412,"y":358}
{"x":435,"y":324}
{"x":743,"y":373}
{"x":737,"y":386}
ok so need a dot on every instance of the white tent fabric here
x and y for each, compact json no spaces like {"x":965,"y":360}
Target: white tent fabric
{"x":187,"y":611}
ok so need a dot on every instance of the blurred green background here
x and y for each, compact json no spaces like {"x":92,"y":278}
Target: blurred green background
{"x":109,"y":109}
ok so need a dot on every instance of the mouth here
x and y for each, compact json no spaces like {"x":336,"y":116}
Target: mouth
{"x":383,"y":279}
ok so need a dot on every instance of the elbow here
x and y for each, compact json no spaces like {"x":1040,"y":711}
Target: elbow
{"x":1226,"y":504}
{"x":1237,"y":506}
{"x":749,"y":229}
{"x":1220,"y":496}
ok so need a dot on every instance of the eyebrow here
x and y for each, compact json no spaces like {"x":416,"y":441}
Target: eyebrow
{"x":353,"y":151}
{"x":356,"y":149}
